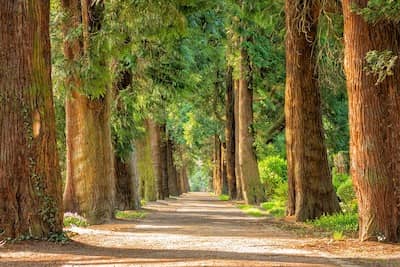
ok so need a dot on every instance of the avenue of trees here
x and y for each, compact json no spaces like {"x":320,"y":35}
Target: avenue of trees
{"x":106,"y":104}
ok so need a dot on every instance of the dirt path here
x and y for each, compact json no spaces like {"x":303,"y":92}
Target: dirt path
{"x":195,"y":230}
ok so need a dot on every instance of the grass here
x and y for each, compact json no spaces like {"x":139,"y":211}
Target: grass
{"x":130,"y":214}
{"x":337,"y":223}
{"x":73,"y":219}
{"x":274,"y":208}
{"x":252,"y":210}
{"x":224,"y":197}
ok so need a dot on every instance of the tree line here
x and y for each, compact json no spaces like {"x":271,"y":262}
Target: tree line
{"x":147,"y":93}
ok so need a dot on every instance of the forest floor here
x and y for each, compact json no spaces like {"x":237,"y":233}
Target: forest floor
{"x":199,"y":230}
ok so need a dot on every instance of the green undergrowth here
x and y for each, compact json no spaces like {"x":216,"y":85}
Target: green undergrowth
{"x":339,"y":225}
{"x":130,"y":214}
{"x":73,"y":219}
{"x":275,"y":208}
{"x":252,"y":210}
{"x":224,"y":197}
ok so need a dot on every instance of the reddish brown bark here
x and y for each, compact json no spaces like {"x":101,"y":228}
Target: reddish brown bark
{"x":374,"y":124}
{"x":252,"y":190}
{"x":230,"y":135}
{"x":30,"y":180}
{"x":90,"y":170}
{"x":311,"y":192}
{"x":239,"y":193}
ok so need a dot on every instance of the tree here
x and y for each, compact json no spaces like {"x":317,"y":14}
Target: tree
{"x":311,"y":193}
{"x":30,"y":180}
{"x":90,"y":159}
{"x":251,"y":186}
{"x":374,"y":117}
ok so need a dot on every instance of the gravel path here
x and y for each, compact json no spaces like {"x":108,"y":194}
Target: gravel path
{"x":193,"y":230}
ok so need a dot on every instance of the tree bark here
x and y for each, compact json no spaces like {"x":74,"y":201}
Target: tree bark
{"x":30,"y":179}
{"x":248,"y":168}
{"x":239,"y":193}
{"x":155,"y":140}
{"x":163,"y":160}
{"x":374,"y":125}
{"x":90,"y":170}
{"x":145,"y":167}
{"x":311,"y":193}
{"x":217,"y":188}
{"x":127,"y":193}
{"x":230,"y":134}
{"x":172,"y":173}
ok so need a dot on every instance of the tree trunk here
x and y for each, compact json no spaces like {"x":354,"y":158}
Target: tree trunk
{"x":145,"y":168}
{"x":90,"y":170}
{"x":30,"y":179}
{"x":163,"y":161}
{"x":230,"y":135}
{"x":311,"y":193}
{"x":172,"y":174}
{"x":217,"y":167}
{"x":374,"y":125}
{"x":155,"y":140}
{"x":239,"y":193}
{"x":127,"y":194}
{"x":248,"y":168}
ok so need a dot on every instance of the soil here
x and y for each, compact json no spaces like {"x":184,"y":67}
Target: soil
{"x":197,"y":229}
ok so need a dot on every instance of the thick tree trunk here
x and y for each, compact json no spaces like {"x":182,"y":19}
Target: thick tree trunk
{"x":311,"y":192}
{"x":239,"y":193}
{"x":172,"y":173}
{"x":145,"y":168}
{"x":127,"y":194}
{"x":374,"y":125}
{"x":30,"y":180}
{"x":155,"y":140}
{"x":90,"y":170}
{"x":230,"y":135}
{"x":252,"y":190}
{"x":164,"y":160}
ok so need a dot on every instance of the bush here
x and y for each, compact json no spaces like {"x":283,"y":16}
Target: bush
{"x":340,"y":222}
{"x":339,"y":179}
{"x":273,"y":173}
{"x":346,"y":192}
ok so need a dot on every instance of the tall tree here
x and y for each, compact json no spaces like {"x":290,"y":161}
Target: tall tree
{"x":374,"y":109}
{"x":230,"y":134}
{"x":251,"y":186}
{"x":90,"y":170}
{"x":311,"y":193}
{"x":30,"y":180}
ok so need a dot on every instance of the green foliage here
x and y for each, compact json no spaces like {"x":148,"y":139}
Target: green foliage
{"x":339,"y":179}
{"x":224,"y":197}
{"x":380,"y":64}
{"x":346,"y":192}
{"x":130,"y":214}
{"x":73,"y":219}
{"x":252,"y":210}
{"x":379,"y":10}
{"x":273,"y":173}
{"x":340,"y":222}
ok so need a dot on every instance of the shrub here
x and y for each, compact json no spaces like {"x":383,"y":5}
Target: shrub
{"x":346,"y":192}
{"x":340,"y":222}
{"x":339,"y":179}
{"x":273,"y":172}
